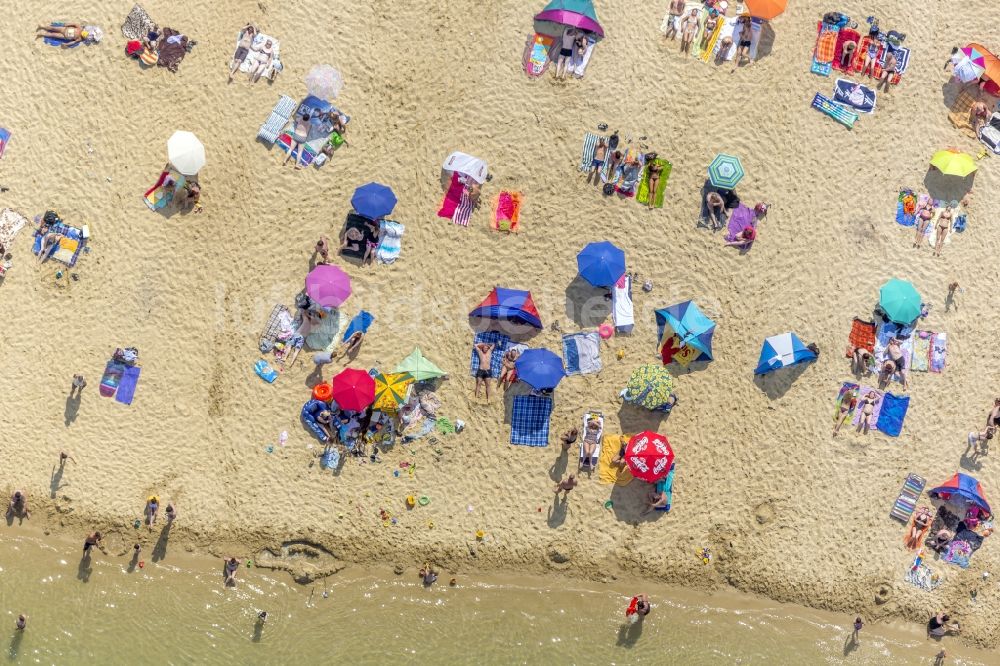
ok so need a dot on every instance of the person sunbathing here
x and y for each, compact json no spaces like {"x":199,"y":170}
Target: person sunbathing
{"x":351,"y":345}
{"x":656,"y":499}
{"x":895,"y":354}
{"x":507,"y":372}
{"x":924,"y":215}
{"x":710,"y":23}
{"x":654,"y":181}
{"x":262,"y":58}
{"x":716,"y":206}
{"x":888,"y":70}
{"x":688,"y":27}
{"x":978,"y":114}
{"x":70,"y":34}
{"x":591,"y":435}
{"x":485,"y":353}
{"x":888,"y":369}
{"x":921,"y":522}
{"x":597,"y":163}
{"x":744,"y":239}
{"x":867,"y":409}
{"x":871,"y":58}
{"x":942,"y":539}
{"x":299,"y":135}
{"x":943,"y":227}
{"x":50,"y":240}
{"x":848,"y":403}
{"x":242,"y":49}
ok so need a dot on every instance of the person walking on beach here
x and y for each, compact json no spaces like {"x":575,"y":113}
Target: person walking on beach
{"x":566,"y":485}
{"x":857,"y":629}
{"x":171,"y":514}
{"x":91,"y":541}
{"x":63,"y":457}
{"x":21,"y":623}
{"x":76,"y":388}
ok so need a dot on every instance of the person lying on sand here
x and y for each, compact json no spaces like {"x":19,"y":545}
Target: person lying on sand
{"x":49,"y":241}
{"x":654,"y":181}
{"x":710,"y":23}
{"x":943,"y":227}
{"x":507,"y":372}
{"x":620,"y":458}
{"x":888,"y":70}
{"x":71,"y":33}
{"x":351,"y":345}
{"x":894,"y":352}
{"x":263,"y":56}
{"x":485,"y":352}
{"x":867,"y":409}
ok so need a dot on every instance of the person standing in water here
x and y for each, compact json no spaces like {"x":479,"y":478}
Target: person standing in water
{"x":857,"y":629}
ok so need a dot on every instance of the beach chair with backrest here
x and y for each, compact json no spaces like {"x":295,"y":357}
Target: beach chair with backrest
{"x":273,"y":126}
{"x":592,"y":463}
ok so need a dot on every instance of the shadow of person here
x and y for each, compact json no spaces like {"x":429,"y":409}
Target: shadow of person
{"x":258,"y":630}
{"x":629,"y":633}
{"x":15,"y":644}
{"x":10,"y":517}
{"x":84,"y":569}
{"x":558,"y":468}
{"x":850,"y":645}
{"x":160,"y":549}
{"x":134,"y":562}
{"x":72,"y":408}
{"x":55,"y":480}
{"x":557,"y":512}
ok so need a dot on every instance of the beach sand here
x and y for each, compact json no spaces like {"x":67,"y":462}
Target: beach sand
{"x":789,"y":511}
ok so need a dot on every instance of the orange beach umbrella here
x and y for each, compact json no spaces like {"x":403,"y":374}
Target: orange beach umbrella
{"x":766,"y":9}
{"x":991,"y":63}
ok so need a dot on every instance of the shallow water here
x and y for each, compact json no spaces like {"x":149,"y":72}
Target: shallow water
{"x":182,"y":614}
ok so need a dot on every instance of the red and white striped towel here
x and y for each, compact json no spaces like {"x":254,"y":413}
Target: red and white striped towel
{"x":464,"y":210}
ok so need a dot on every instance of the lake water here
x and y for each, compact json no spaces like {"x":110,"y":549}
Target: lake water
{"x":182,"y":614}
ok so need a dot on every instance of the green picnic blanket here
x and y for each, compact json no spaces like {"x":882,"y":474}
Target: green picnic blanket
{"x":643,"y":195}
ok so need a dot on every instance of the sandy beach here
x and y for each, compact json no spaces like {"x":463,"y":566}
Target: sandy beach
{"x":790,"y":512}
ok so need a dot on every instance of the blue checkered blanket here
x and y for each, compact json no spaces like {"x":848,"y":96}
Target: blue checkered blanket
{"x":500,"y":344}
{"x":529,"y":421}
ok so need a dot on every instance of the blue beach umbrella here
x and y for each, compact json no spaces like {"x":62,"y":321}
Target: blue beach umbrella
{"x":540,"y":368}
{"x":373,"y":201}
{"x":725,"y":171}
{"x":691,"y":327}
{"x":601,"y":264}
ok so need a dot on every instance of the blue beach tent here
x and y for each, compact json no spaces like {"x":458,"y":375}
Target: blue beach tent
{"x":779,"y":351}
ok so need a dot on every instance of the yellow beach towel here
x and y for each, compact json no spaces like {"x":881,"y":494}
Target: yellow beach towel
{"x":706,"y":55}
{"x":608,"y":473}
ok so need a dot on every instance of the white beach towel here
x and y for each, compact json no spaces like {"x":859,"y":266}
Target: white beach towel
{"x":250,"y":61}
{"x":582,"y":353}
{"x":11,"y":222}
{"x":622,"y":309}
{"x":578,"y":65}
{"x":390,"y":241}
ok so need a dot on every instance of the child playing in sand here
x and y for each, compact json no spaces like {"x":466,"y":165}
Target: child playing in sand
{"x":979,"y":442}
{"x":485,"y":353}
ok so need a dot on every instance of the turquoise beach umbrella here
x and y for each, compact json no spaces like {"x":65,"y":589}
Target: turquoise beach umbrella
{"x":725,"y":171}
{"x":900,"y":301}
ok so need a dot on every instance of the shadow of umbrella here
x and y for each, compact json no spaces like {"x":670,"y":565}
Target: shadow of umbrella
{"x":766,"y":42}
{"x":947,"y":188}
{"x":586,"y":304}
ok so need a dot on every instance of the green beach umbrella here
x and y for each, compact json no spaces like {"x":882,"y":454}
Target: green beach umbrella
{"x":725,"y":171}
{"x":419,"y":367}
{"x":900,"y":301}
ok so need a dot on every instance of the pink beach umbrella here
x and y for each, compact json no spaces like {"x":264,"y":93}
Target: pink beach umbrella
{"x":970,"y":64}
{"x":328,"y":285}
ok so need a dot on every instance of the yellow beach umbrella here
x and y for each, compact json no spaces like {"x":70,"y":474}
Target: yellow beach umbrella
{"x":952,"y":162}
{"x":390,"y":390}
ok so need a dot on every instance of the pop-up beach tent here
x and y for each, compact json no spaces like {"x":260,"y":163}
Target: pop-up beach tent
{"x":962,"y":490}
{"x":509,"y":304}
{"x":685,"y":334}
{"x":780,"y":351}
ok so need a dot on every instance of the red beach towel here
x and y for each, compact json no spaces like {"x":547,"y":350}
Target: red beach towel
{"x":452,"y":197}
{"x":862,"y":335}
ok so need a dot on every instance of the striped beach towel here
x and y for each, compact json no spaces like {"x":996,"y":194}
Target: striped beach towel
{"x":826,"y":48}
{"x":906,"y":502}
{"x":452,"y":197}
{"x":282,"y":111}
{"x":589,"y":144}
{"x":463,"y":212}
{"x":582,"y":353}
{"x":529,"y":421}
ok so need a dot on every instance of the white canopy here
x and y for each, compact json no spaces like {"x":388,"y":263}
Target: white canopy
{"x":186,"y":153}
{"x":471,"y":166}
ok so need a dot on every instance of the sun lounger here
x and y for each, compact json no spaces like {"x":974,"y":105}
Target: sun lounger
{"x":582,"y":353}
{"x":507,"y":211}
{"x":276,"y":122}
{"x":390,"y":241}
{"x":529,"y":421}
{"x":592,"y":463}
{"x":137,"y":24}
{"x":841,"y":114}
{"x":536,"y":54}
{"x":906,"y":502}
{"x":622,"y":309}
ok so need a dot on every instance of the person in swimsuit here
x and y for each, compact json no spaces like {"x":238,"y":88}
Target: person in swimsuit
{"x":710,"y":23}
{"x":674,"y":12}
{"x":943,"y":227}
{"x":299,"y":135}
{"x":993,"y":418}
{"x":888,"y":70}
{"x":485,"y":352}
{"x":921,"y":521}
{"x":979,"y":442}
{"x":895,"y":353}
{"x":716,"y":206}
{"x":745,"y":28}
{"x":322,"y":250}
{"x":569,"y":437}
{"x":263,"y":57}
{"x":848,"y":403}
{"x":654,"y":181}
{"x":688,"y":27}
{"x":978,"y":114}
{"x":871,"y":58}
{"x":91,"y":541}
{"x":590,"y":434}
{"x":862,"y":361}
{"x":71,"y":33}
{"x":600,"y":152}
{"x":565,"y":53}
{"x":847,"y":57}
{"x":566,"y":485}
{"x":616,"y":161}
{"x":50,"y":240}
{"x":924,"y":216}
{"x":242,"y":49}
{"x":507,"y":372}
{"x":887,"y":370}
{"x":232,"y":564}
{"x":867,"y":409}
{"x":171,"y":514}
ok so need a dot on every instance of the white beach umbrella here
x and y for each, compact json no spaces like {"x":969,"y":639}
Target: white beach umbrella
{"x":324,"y":81}
{"x":186,"y":153}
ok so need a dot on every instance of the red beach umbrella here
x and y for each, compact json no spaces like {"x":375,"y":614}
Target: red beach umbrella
{"x":353,"y":389}
{"x":648,"y":456}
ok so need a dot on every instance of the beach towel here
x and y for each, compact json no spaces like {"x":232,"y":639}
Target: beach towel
{"x":589,"y":145}
{"x":643,"y":194}
{"x":251,"y":60}
{"x":160,"y":194}
{"x":877,"y":409}
{"x":463,"y":213}
{"x":939,"y":352}
{"x":599,"y":436}
{"x":276,"y":122}
{"x":578,"y":64}
{"x":4,"y":139}
{"x":920,"y":361}
{"x":356,"y":248}
{"x":825,"y":49}
{"x":862,"y":335}
{"x":359,"y":324}
{"x":845,"y":35}
{"x":622,"y":309}
{"x":500,"y":344}
{"x":582,"y":353}
{"x":69,"y":247}
{"x":742,"y":218}
{"x":666,"y":485}
{"x":855,"y":95}
{"x":137,"y":24}
{"x":529,"y":420}
{"x":284,"y":141}
{"x":909,"y":494}
{"x":452,"y":197}
{"x":608,"y":473}
{"x":906,"y":208}
{"x":278,"y":326}
{"x":390,"y":242}
{"x":127,"y":384}
{"x":840,"y":113}
{"x":11,"y":223}
{"x":958,"y":553}
{"x":171,"y":49}
{"x":507,"y":211}
{"x":844,"y":389}
{"x":536,"y":54}
{"x":922,"y":576}
{"x":959,"y":112}
{"x":113,"y":372}
{"x":893,"y":413}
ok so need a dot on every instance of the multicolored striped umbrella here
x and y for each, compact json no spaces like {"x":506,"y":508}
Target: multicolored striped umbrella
{"x":725,"y":171}
{"x":970,"y":65}
{"x":391,"y":389}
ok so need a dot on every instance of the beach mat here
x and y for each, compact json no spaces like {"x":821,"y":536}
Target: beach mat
{"x":643,"y":195}
{"x":501,"y":344}
{"x":893,"y":413}
{"x":112,"y":376}
{"x":920,"y":362}
{"x":858,"y":96}
{"x":127,"y":384}
{"x":826,"y":47}
{"x":536,"y":54}
{"x":529,"y":421}
{"x":507,"y":211}
{"x":607,"y":473}
{"x":939,"y":352}
{"x":840,"y":113}
{"x":906,"y":502}
{"x":587,"y":154}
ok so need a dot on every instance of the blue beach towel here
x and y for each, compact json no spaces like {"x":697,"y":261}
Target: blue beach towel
{"x":69,"y":232}
{"x":501,"y":344}
{"x":529,"y":422}
{"x":265,"y":371}
{"x":855,"y":95}
{"x":890,"y":419}
{"x":330,"y":458}
{"x":666,"y":485}
{"x":582,"y":353}
{"x":359,"y":324}
{"x":126,"y":387}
